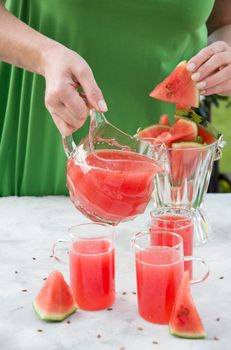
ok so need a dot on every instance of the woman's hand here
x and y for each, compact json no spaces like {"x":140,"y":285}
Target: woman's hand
{"x":64,"y":71}
{"x":211,"y":69}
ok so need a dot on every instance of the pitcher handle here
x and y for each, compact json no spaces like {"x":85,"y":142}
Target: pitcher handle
{"x":220,"y":144}
{"x":68,"y":141}
{"x":68,"y":145}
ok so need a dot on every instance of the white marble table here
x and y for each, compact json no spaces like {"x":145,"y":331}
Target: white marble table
{"x":29,"y":226}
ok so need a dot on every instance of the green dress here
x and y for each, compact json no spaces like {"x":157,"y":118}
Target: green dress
{"x":130,"y":45}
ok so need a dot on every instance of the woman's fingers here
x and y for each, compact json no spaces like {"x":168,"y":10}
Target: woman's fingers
{"x":64,"y":128}
{"x":75,"y":105}
{"x":64,"y":101}
{"x":215,"y":79}
{"x":93,"y":93}
{"x":221,"y":89}
{"x":205,"y":54}
{"x":211,"y":69}
{"x":65,"y":71}
{"x":72,"y":115}
{"x":218,"y":60}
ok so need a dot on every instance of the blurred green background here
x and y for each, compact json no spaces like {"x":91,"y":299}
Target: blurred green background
{"x":221,"y":119}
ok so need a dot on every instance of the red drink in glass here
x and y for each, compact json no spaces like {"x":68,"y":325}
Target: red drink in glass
{"x":159,"y":271}
{"x":92,"y":273}
{"x":179,"y":221}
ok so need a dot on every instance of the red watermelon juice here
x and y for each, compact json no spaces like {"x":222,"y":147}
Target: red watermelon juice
{"x":92,"y":273}
{"x":112,"y":185}
{"x":183,"y":226}
{"x":159,"y":271}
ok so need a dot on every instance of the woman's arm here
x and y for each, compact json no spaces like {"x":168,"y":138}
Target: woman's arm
{"x":221,"y":34}
{"x":21,"y":45}
{"x":211,"y":67}
{"x":63,"y":70}
{"x":219,"y":17}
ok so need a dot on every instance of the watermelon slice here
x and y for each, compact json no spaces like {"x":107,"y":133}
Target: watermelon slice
{"x":182,"y":130}
{"x":55,"y":300}
{"x":153,"y":131}
{"x":164,"y":120}
{"x":205,"y":135}
{"x":199,"y":139}
{"x":205,"y":128}
{"x":178,"y":88}
{"x":185,"y":321}
{"x":184,"y":160}
{"x":185,"y":108}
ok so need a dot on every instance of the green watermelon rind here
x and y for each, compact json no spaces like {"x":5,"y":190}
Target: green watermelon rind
{"x":195,"y":328}
{"x":54,"y":317}
{"x":199,"y":120}
{"x":181,"y":63}
{"x":187,"y":335}
{"x":187,"y":145}
{"x":199,"y":139}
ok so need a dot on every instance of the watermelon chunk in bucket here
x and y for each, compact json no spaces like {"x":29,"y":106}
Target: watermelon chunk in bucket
{"x":164,"y":120}
{"x":182,"y":130}
{"x":153,"y":131}
{"x":185,"y":157}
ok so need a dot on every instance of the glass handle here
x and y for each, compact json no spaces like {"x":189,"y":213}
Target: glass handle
{"x":68,"y":145}
{"x":220,"y":144}
{"x":54,"y":250}
{"x":202,"y":261}
{"x":97,"y":118}
{"x":135,"y":236}
{"x":202,"y":227}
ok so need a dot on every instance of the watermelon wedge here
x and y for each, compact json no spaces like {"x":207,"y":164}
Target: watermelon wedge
{"x":185,"y":321}
{"x":178,"y":88}
{"x":164,"y":120}
{"x":153,"y":131}
{"x":205,"y":128}
{"x":184,"y":160}
{"x":205,"y":135}
{"x":182,"y":130}
{"x":55,"y":300}
{"x":185,"y":108}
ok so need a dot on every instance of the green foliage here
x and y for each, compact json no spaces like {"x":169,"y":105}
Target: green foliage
{"x":221,"y":119}
{"x":219,"y":109}
{"x":224,"y":186}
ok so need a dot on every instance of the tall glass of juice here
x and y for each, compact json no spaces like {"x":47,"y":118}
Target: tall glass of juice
{"x":92,"y":267}
{"x":178,"y":220}
{"x":159,"y":270}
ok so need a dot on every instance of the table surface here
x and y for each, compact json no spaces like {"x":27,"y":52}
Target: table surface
{"x":28,"y":228}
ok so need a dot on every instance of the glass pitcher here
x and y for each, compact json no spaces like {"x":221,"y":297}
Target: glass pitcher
{"x":110,"y":175}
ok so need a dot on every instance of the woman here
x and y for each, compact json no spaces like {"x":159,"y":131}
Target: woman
{"x":129,"y":45}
